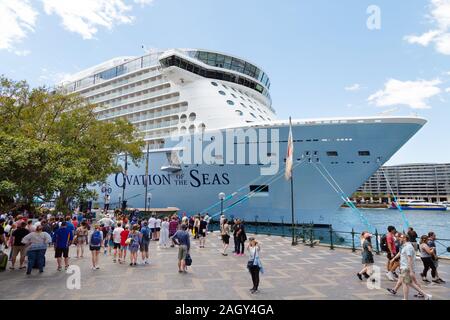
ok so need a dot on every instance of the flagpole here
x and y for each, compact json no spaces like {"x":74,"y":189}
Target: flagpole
{"x":124,"y":183}
{"x":292,"y":192}
{"x":146,"y":177}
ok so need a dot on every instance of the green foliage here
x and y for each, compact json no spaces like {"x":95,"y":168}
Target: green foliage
{"x":52,"y":144}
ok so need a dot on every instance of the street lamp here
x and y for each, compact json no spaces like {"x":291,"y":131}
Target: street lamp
{"x":221,"y":197}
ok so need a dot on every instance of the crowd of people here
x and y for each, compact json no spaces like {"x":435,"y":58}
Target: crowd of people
{"x":402,"y":250}
{"x":116,"y":235}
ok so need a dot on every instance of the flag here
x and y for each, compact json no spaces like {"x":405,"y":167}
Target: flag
{"x":146,"y":165}
{"x":289,"y":153}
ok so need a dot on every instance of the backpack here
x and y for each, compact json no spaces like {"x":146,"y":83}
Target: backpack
{"x":145,"y":234}
{"x":383,"y":243}
{"x":96,"y":239}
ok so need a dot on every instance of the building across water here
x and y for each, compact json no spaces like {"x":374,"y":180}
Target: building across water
{"x":424,"y":181}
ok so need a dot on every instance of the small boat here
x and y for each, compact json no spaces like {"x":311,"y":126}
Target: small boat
{"x":418,"y":205}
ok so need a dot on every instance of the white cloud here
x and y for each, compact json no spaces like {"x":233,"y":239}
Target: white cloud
{"x":51,"y":77}
{"x":440,"y":35}
{"x":85,"y":16}
{"x":424,"y":39}
{"x":143,"y":2}
{"x":353,"y":87}
{"x":22,"y":53}
{"x":17,"y":18}
{"x":413,"y":94}
{"x":447,"y":90}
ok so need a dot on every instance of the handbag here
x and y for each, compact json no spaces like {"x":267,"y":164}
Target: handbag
{"x":188,"y":260}
{"x":251,"y":263}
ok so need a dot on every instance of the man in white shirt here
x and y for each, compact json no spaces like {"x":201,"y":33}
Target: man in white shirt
{"x":152,"y":226}
{"x":157,"y":228}
{"x":116,"y":239}
{"x":106,"y":221}
{"x":408,"y":270}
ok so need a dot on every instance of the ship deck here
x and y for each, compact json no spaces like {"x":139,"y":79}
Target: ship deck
{"x":291,"y":272}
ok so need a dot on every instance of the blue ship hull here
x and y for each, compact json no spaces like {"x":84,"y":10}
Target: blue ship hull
{"x":196,"y":187}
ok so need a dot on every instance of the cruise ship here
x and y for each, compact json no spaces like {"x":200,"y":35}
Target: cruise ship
{"x":198,"y":96}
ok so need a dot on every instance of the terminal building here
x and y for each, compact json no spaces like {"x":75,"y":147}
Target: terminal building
{"x":426,"y":181}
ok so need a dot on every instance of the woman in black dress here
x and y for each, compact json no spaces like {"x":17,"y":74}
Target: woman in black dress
{"x":367,"y":256}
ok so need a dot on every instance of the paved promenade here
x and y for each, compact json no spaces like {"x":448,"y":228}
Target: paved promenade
{"x":298,"y":272}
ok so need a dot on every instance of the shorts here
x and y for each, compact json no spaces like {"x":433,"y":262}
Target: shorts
{"x":59,"y":252}
{"x":143,"y":246}
{"x":226,"y":238}
{"x":182,"y":252}
{"x":125,"y":247}
{"x":116,"y":245}
{"x":152,"y":229}
{"x":389,"y":256}
{"x":18,"y":249}
{"x":157,"y":229}
{"x":94,"y":248}
{"x":405,"y":276}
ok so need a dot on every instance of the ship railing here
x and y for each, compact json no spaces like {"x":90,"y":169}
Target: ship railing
{"x":312,"y":235}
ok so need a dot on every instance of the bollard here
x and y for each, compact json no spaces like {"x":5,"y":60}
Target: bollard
{"x":353,"y":240}
{"x":256,"y":224}
{"x":376,"y":242}
{"x":282,"y":227}
{"x":311,"y":237}
{"x":268,"y":227}
{"x":331,"y":238}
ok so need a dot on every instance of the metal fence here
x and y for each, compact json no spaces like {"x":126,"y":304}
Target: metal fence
{"x":311,"y":234}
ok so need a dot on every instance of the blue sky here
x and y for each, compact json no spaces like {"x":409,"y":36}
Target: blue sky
{"x":321,"y":57}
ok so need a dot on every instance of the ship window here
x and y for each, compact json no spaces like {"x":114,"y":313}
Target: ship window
{"x":182,"y":130}
{"x":231,"y":103}
{"x":214,"y":84}
{"x":332,"y":153}
{"x":252,"y":115}
{"x":364,"y":153}
{"x":191,"y":129}
{"x":202,"y":127}
{"x":192,"y":116}
{"x":183,"y":118}
{"x":225,"y":86}
{"x":234,"y":96}
{"x":243,"y":105}
{"x":239,"y":112}
{"x":259,"y":188}
{"x":222,"y":92}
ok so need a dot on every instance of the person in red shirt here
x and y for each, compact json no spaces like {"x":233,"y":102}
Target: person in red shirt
{"x":391,"y":253}
{"x":75,"y":222}
{"x":123,"y":246}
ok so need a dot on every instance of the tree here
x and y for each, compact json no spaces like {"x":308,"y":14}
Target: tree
{"x":51,"y":143}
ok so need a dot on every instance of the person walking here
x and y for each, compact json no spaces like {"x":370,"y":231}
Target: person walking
{"x":182,"y":238}
{"x":133,"y":244}
{"x":81,"y":236}
{"x":145,"y":242}
{"x":240,"y":236}
{"x":95,"y":246}
{"x":18,"y":246}
{"x":36,"y":242}
{"x":64,"y":238}
{"x":225,"y":233}
{"x":116,"y":241}
{"x":196,"y":227}
{"x":123,"y":244}
{"x":202,"y":231}
{"x":254,"y":263}
{"x":173,"y":226}
{"x":152,"y":226}
{"x":367,"y":257}
{"x":432,"y":244}
{"x":426,"y":255}
{"x":158,"y":222}
{"x":407,"y":256}
{"x":164,"y":236}
{"x":391,"y":251}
